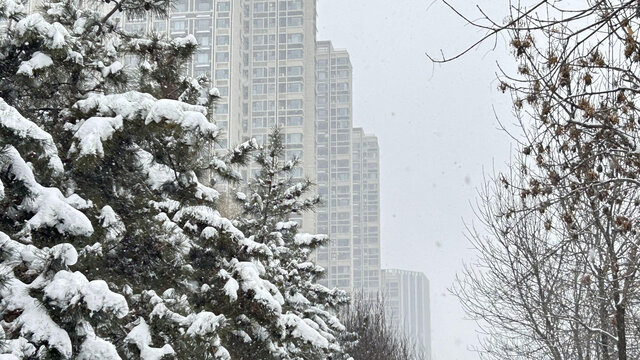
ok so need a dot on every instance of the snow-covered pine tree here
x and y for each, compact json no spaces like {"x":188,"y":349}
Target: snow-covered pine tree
{"x":46,"y":309}
{"x":99,"y":192}
{"x":306,"y":328}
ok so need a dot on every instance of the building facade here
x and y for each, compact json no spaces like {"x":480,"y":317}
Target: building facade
{"x":406,"y":295}
{"x":366,"y":212}
{"x":348,"y":180}
{"x":333,"y":159}
{"x":280,"y":51}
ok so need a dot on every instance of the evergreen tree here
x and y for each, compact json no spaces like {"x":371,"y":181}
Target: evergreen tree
{"x":306,"y":327}
{"x":99,"y":192}
{"x":110,"y":245}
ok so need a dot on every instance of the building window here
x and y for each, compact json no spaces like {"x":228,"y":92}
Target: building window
{"x":294,"y":54}
{"x":294,"y":5}
{"x":224,"y":6}
{"x":222,"y":40}
{"x":181,"y":6}
{"x":294,"y":121}
{"x":222,"y":57}
{"x":259,"y":89}
{"x":259,"y":56}
{"x":294,"y":70}
{"x":294,"y":21}
{"x":222,"y":74}
{"x":136,"y":17}
{"x":135,"y":28}
{"x":343,"y":112}
{"x":257,"y":123}
{"x":203,"y":5}
{"x":294,"y":154}
{"x":222,"y":23}
{"x":178,"y":25}
{"x":160,"y":26}
{"x":259,"y":7}
{"x":294,"y":38}
{"x":295,"y":138}
{"x":258,"y":39}
{"x":291,"y":38}
{"x":262,"y":105}
{"x":203,"y":25}
{"x":201,"y":72}
{"x":294,"y":87}
{"x":204,"y":41}
{"x":258,"y":23}
{"x":293,"y":104}
{"x":222,"y":109}
{"x":202,"y":58}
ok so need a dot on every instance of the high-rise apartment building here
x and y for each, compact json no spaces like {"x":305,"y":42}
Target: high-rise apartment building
{"x":348,"y":180}
{"x":261,"y":56}
{"x":366,"y":212}
{"x":279,"y":54}
{"x":333,"y":159}
{"x":406,"y":295}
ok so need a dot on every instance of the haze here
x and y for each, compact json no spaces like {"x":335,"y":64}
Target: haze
{"x":438,"y":134}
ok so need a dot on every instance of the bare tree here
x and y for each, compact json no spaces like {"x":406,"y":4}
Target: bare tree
{"x":560,"y":264}
{"x":377,"y":338}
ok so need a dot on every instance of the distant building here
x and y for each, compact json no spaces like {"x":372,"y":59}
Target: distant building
{"x":348,"y":180}
{"x":333,"y":159}
{"x":407,"y":301}
{"x":366,"y":213}
{"x":279,"y":87}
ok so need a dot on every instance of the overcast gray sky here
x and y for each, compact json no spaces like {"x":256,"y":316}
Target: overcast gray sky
{"x":437,"y":132}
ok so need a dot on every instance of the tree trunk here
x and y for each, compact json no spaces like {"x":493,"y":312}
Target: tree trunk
{"x":621,"y":330}
{"x":604,"y":340}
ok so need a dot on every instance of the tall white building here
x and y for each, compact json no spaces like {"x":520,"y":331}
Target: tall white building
{"x":348,"y":180}
{"x":366,"y":212}
{"x":334,"y":161}
{"x":261,"y":56}
{"x":279,"y":44}
{"x":407,"y":301}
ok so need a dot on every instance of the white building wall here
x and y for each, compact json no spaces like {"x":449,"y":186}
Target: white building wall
{"x":406,"y":295}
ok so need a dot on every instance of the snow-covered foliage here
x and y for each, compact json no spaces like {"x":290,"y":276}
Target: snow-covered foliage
{"x":306,"y":325}
{"x":111,"y":246}
{"x":86,"y":161}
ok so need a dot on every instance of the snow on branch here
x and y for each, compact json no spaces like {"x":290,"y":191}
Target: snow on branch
{"x":92,"y":132}
{"x":53,"y":35}
{"x":69,"y":288}
{"x":19,"y":127}
{"x":49,"y":206}
{"x":141,"y":337}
